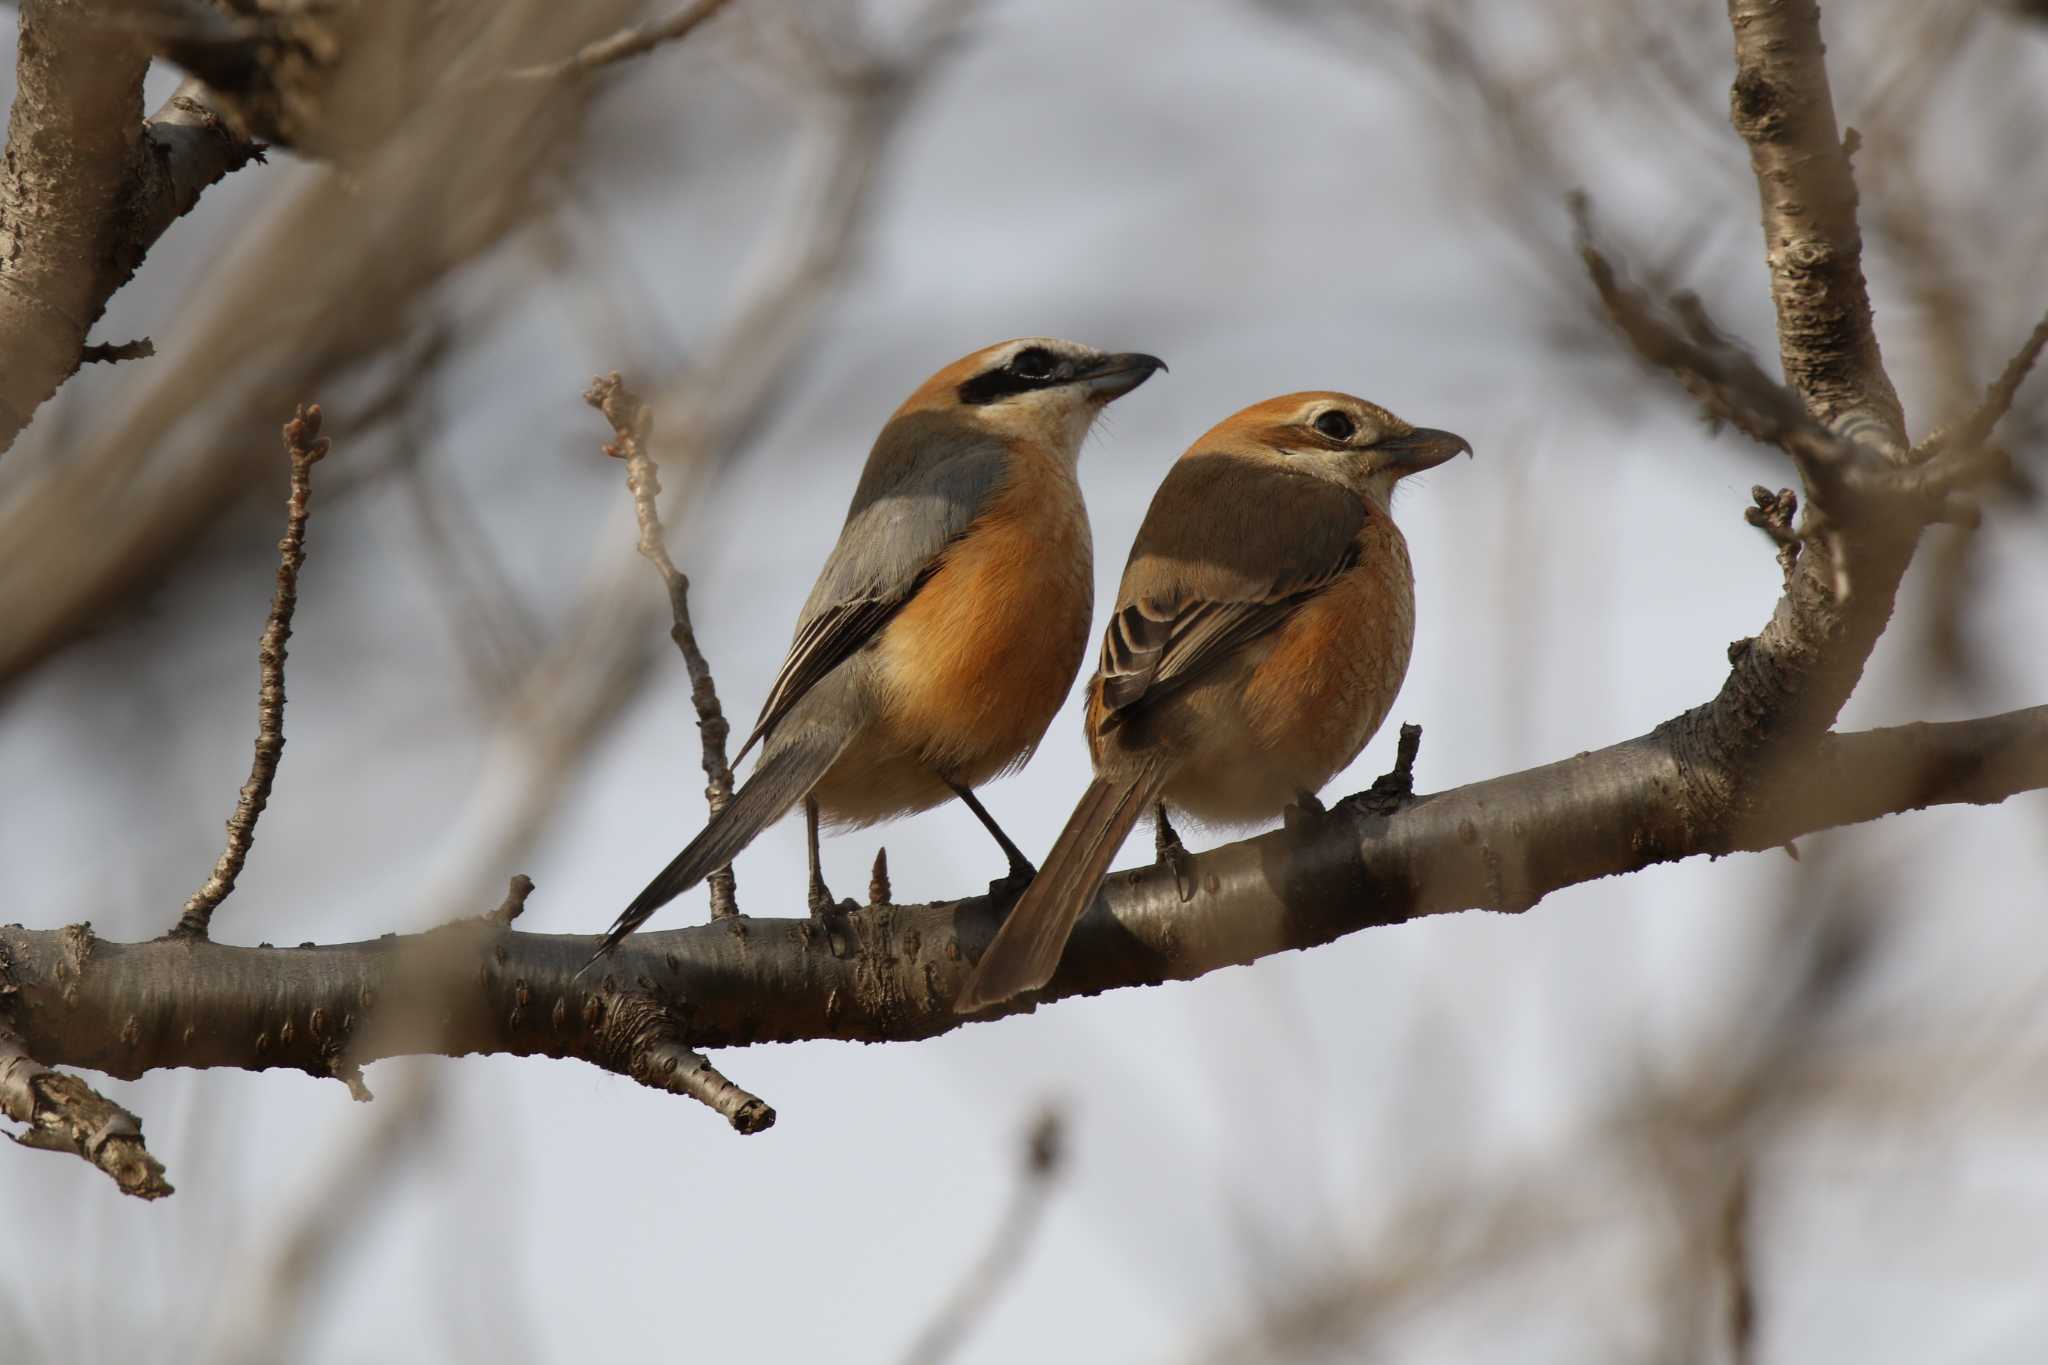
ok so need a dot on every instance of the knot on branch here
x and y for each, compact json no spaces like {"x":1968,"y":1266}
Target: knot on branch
{"x":1756,"y":106}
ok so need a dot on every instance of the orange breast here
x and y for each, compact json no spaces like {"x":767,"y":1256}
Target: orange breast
{"x":973,"y":668}
{"x":1334,"y":668}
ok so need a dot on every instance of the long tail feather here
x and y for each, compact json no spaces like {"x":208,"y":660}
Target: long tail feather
{"x":1026,"y":950}
{"x":779,"y":782}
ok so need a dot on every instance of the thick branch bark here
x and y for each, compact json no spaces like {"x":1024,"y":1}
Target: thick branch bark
{"x":85,"y":190}
{"x":891,"y":973}
{"x":73,"y":144}
{"x":1784,"y":109}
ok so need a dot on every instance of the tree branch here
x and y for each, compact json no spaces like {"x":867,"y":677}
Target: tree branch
{"x":627,"y":42}
{"x":630,"y":420}
{"x":891,"y":973}
{"x":1783,"y":108}
{"x":1967,"y":437}
{"x":86,"y":188}
{"x":306,"y":446}
{"x":64,"y":1114}
{"x":1861,"y":520}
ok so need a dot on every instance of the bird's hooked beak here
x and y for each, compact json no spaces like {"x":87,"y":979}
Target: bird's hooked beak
{"x":1113,"y":376}
{"x":1422,"y":448}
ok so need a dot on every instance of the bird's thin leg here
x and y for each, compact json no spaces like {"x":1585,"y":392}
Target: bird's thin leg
{"x":820,"y":898}
{"x":1021,"y":870}
{"x":1171,"y":851}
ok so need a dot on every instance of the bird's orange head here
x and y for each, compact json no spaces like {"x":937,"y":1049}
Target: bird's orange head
{"x":1038,"y":389}
{"x":1333,"y":436}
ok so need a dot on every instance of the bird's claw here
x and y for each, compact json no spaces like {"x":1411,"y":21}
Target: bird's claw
{"x":1173,"y":854}
{"x":1013,"y":882}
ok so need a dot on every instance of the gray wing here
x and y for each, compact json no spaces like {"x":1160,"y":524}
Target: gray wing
{"x":1228,"y":552}
{"x":926,"y":481}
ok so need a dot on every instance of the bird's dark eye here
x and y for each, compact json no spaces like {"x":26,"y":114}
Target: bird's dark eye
{"x":1033,"y":362}
{"x":1336,"y":425}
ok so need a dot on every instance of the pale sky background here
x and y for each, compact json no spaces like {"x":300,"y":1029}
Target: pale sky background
{"x":1225,"y":189}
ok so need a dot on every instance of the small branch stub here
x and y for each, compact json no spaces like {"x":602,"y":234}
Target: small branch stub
{"x":514,"y":903}
{"x":306,"y":447}
{"x":64,"y":1114}
{"x":879,"y":891}
{"x":649,"y":1052}
{"x":1393,"y":790}
{"x":671,"y":1066}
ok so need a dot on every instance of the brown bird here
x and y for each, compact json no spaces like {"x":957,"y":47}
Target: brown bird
{"x":948,"y":622}
{"x":1260,"y":635}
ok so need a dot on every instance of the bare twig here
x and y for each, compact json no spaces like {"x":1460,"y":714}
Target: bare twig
{"x":515,"y":901}
{"x":1843,"y":477}
{"x":630,"y":419}
{"x":1729,"y":384}
{"x":1733,"y":389}
{"x":627,"y":42}
{"x":976,"y":1293}
{"x":306,"y":446}
{"x":1970,"y":433}
{"x":64,"y":1114}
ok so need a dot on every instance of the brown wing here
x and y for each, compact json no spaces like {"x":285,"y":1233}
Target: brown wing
{"x":1229,"y":549}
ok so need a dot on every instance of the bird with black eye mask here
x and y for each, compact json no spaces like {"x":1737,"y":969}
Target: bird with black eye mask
{"x":949,"y":620}
{"x":1260,"y":635}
